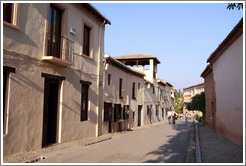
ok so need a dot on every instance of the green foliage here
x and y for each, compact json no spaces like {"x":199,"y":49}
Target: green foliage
{"x":198,"y":118}
{"x":197,"y":103}
{"x":179,"y":101}
{"x":235,"y":5}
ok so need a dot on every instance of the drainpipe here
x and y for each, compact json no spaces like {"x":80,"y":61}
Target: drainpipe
{"x":98,"y":79}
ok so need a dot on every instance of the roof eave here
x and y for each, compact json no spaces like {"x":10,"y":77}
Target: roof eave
{"x":207,"y":70}
{"x":93,"y":10}
{"x":119,"y":64}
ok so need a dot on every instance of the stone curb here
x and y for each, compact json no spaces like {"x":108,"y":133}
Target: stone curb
{"x":191,"y":148}
{"x":198,"y":150}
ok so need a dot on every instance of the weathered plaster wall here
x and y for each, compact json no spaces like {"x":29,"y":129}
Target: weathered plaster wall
{"x":23,"y":50}
{"x":228,"y":77}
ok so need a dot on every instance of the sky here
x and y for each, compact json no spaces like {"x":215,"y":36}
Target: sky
{"x":181,"y":35}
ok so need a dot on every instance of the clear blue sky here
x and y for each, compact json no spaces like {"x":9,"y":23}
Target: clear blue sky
{"x":181,"y":35}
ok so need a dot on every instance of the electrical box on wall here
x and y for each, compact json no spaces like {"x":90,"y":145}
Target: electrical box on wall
{"x":72,"y":30}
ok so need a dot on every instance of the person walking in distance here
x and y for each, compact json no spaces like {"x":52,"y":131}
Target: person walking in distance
{"x":174,"y":116}
{"x":194,"y":116}
{"x":169,"y":116}
{"x":186,"y":117}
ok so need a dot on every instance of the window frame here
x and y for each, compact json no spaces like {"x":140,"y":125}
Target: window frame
{"x":120,"y":88}
{"x":109,"y":79}
{"x":88,"y":40}
{"x":15,"y":11}
{"x":84,"y":115}
{"x":6,"y":90}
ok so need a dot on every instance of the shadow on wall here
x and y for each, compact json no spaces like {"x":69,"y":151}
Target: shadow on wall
{"x":174,"y":151}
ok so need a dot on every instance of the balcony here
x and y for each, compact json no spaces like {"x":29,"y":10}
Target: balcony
{"x":59,"y":50}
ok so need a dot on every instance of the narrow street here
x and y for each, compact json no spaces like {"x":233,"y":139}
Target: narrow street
{"x":162,"y":143}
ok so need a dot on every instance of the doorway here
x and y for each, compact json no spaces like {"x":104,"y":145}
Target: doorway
{"x":50,"y":114}
{"x":139,"y":114}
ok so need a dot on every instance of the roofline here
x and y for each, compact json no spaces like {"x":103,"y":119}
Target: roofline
{"x":118,"y":64}
{"x":161,"y":82}
{"x":169,"y":84}
{"x":207,"y":70}
{"x":236,"y":32}
{"x":93,"y":10}
{"x":199,"y":84}
{"x":158,"y":62}
{"x":165,"y":83}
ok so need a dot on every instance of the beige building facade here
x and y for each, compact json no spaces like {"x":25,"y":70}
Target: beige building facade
{"x":153,"y":107}
{"x":59,"y":87}
{"x":224,"y":87}
{"x":123,"y":97}
{"x":190,"y":92}
{"x":52,"y":72}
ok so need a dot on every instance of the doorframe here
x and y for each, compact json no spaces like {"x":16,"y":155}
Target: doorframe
{"x":60,"y":80}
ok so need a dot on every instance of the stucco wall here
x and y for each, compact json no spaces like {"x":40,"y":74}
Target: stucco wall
{"x":228,"y":77}
{"x":23,"y":50}
{"x":111,"y":95}
{"x":209,"y":118}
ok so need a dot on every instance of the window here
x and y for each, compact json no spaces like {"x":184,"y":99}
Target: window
{"x":10,"y":14}
{"x":109,"y":78}
{"x":6,"y":71}
{"x":153,"y":90}
{"x":54,"y":34}
{"x":139,"y":86}
{"x":86,"y":41}
{"x":120,"y":89}
{"x":133,"y":91}
{"x":7,"y":12}
{"x":84,"y":100}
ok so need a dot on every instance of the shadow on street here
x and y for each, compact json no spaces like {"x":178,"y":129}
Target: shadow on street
{"x":174,"y":151}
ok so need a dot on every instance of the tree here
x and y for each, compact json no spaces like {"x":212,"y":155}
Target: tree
{"x":179,"y":101}
{"x":197,"y":103}
{"x":235,"y":5}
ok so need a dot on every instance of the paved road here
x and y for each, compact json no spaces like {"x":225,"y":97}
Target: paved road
{"x":162,"y":143}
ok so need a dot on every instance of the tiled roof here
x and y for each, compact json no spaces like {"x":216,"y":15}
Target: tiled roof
{"x":136,"y":56}
{"x":164,"y":82}
{"x":122,"y":66}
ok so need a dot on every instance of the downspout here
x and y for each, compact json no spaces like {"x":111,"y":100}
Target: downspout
{"x":98,"y":79}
